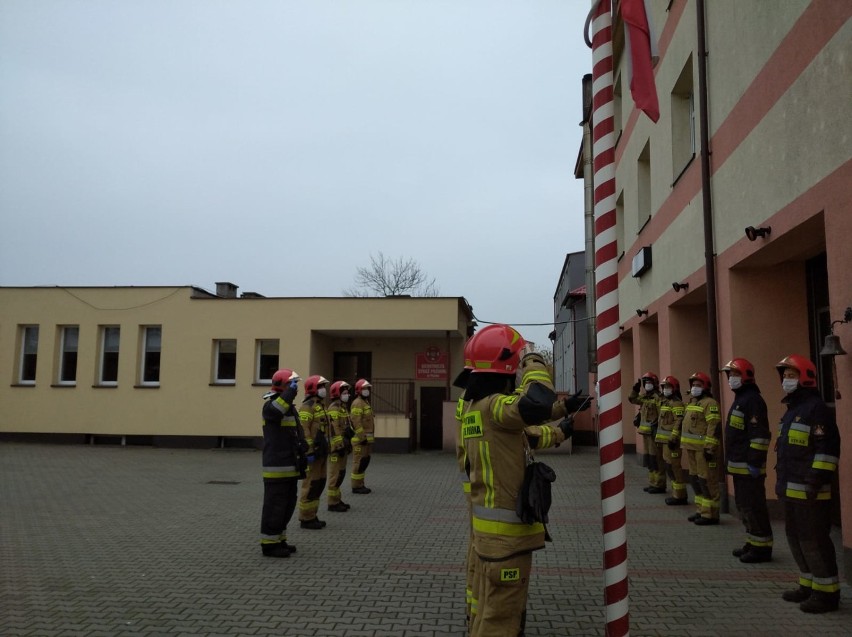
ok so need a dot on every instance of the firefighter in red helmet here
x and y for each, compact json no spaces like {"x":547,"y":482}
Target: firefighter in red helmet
{"x":747,"y":438}
{"x":461,"y":458}
{"x":808,"y":453}
{"x":315,"y":425}
{"x":668,"y":437}
{"x":340,"y":431}
{"x":701,"y":437}
{"x":362,"y":443}
{"x":645,"y":393}
{"x":284,"y":450}
{"x":499,"y":427}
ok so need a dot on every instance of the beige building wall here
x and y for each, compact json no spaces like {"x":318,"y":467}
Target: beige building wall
{"x":187,"y":401}
{"x":780,"y":157}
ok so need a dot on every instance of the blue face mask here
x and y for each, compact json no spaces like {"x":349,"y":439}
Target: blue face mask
{"x":696,"y":391}
{"x":789,"y":385}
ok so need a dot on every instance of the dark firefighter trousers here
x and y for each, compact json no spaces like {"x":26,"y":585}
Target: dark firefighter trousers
{"x":279,"y":503}
{"x":808,"y":529}
{"x":750,"y":498}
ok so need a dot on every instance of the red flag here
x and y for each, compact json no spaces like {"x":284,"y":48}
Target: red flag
{"x":642,"y":86}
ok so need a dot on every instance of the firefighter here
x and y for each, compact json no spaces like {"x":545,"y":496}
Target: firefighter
{"x":808,"y":449}
{"x":315,"y":426}
{"x":461,"y":458}
{"x":699,"y":437}
{"x":284,"y":449}
{"x":493,"y":428}
{"x":362,"y":421}
{"x":340,"y":431}
{"x":668,"y":438}
{"x":746,"y":445}
{"x":644,"y":393}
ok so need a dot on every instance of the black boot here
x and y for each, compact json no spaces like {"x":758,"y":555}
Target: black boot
{"x":706,"y":521}
{"x":756,"y":555}
{"x":655,"y":490}
{"x":797,"y":595}
{"x":312,"y":524}
{"x":361,"y":490}
{"x":339,"y":507}
{"x":740,"y":552}
{"x":278,"y":549}
{"x":694,"y":517}
{"x":346,"y":505}
{"x":676,"y":501}
{"x":820,"y":603}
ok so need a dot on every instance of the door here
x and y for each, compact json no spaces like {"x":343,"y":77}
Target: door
{"x":431,"y":417}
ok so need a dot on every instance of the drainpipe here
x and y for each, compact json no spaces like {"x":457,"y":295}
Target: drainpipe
{"x":709,"y":251}
{"x":589,"y":218}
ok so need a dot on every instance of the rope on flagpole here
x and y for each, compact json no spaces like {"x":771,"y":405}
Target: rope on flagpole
{"x":611,"y":437}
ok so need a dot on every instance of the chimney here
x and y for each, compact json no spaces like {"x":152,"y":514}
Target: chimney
{"x":225,"y":290}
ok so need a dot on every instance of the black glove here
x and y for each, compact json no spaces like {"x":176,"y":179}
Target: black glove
{"x":567,"y":426}
{"x":289,"y":393}
{"x":673,"y":445}
{"x":709,"y":456}
{"x":636,"y":387}
{"x":576,"y":403}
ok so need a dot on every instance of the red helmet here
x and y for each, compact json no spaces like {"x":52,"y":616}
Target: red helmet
{"x":337,"y":388}
{"x":741,"y":365}
{"x":651,"y":376}
{"x":312,"y":384}
{"x":496,"y":349}
{"x":282,"y":378}
{"x":362,"y":384}
{"x":702,"y":378}
{"x":468,"y":360}
{"x":671,"y":380}
{"x":806,"y":369}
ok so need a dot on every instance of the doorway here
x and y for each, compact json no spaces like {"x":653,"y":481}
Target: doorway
{"x":431,"y":417}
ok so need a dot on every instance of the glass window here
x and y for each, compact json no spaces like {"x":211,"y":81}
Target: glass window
{"x":29,"y":354}
{"x":109,"y":355}
{"x":68,"y":355}
{"x":226,"y":361}
{"x":267,"y":360}
{"x":151,"y":355}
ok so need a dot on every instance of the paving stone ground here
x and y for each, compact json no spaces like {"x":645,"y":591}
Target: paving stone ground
{"x":138,"y":541}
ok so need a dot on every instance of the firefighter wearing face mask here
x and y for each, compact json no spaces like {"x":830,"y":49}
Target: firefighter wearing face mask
{"x":362,"y":443}
{"x":668,"y":437}
{"x":340,"y":432}
{"x":700,"y":438}
{"x":284,"y":449}
{"x":746,"y":445}
{"x":498,"y":426}
{"x":315,"y":425}
{"x":808,"y":452}
{"x":644,"y":393}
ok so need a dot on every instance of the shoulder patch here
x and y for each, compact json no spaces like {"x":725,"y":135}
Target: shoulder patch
{"x":819,"y":431}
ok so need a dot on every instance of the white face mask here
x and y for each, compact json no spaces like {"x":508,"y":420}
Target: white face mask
{"x":365,"y":393}
{"x":667,"y":392}
{"x":696,"y":391}
{"x":735,"y":382}
{"x":345,"y":397}
{"x":649,"y":386}
{"x":789,"y":385}
{"x":321,"y":392}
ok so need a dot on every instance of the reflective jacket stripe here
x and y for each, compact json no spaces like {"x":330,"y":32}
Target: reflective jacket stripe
{"x":688,"y":437}
{"x":825,"y":462}
{"x":761,"y":444}
{"x":798,"y":491}
{"x":280,"y":472}
{"x":487,"y":473}
{"x":506,"y":528}
{"x":536,"y":375}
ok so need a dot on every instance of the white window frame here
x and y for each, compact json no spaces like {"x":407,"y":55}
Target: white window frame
{"x":217,"y":346}
{"x":257,"y":358}
{"x":104,"y":330}
{"x":26,"y":330}
{"x":143,"y":358}
{"x":64,"y":351}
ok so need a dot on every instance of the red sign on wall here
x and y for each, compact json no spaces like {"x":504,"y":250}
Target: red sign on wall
{"x":430,"y":365}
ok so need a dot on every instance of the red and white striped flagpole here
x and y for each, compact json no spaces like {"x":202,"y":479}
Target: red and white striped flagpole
{"x":611,"y":438}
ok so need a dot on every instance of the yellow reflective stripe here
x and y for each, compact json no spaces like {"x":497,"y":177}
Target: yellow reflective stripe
{"x":466,"y":487}
{"x":710,"y":440}
{"x":506,"y":528}
{"x":805,"y":580}
{"x":826,"y":584}
{"x":280,"y":474}
{"x":497,"y":407}
{"x":487,"y":472}
{"x":678,"y":411}
{"x":358,"y":476}
{"x":697,"y":408}
{"x":536,"y":375}
{"x":825,"y":466}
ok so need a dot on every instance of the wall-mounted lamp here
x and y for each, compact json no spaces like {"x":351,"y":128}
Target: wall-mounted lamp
{"x":833,"y":348}
{"x":753,"y":233}
{"x":680,"y":286}
{"x":641,"y":312}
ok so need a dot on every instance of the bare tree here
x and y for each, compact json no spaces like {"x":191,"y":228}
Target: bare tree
{"x":392,"y":277}
{"x":547,"y":354}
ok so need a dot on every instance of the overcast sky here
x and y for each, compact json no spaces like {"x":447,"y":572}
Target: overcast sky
{"x":278,"y":144}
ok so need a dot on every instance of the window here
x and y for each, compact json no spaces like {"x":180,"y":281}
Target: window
{"x":267,"y":360}
{"x":29,"y":354}
{"x":150,"y":372}
{"x":683,"y":121}
{"x":643,"y":205}
{"x":108,"y":374}
{"x":68,"y":355}
{"x":225,"y":358}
